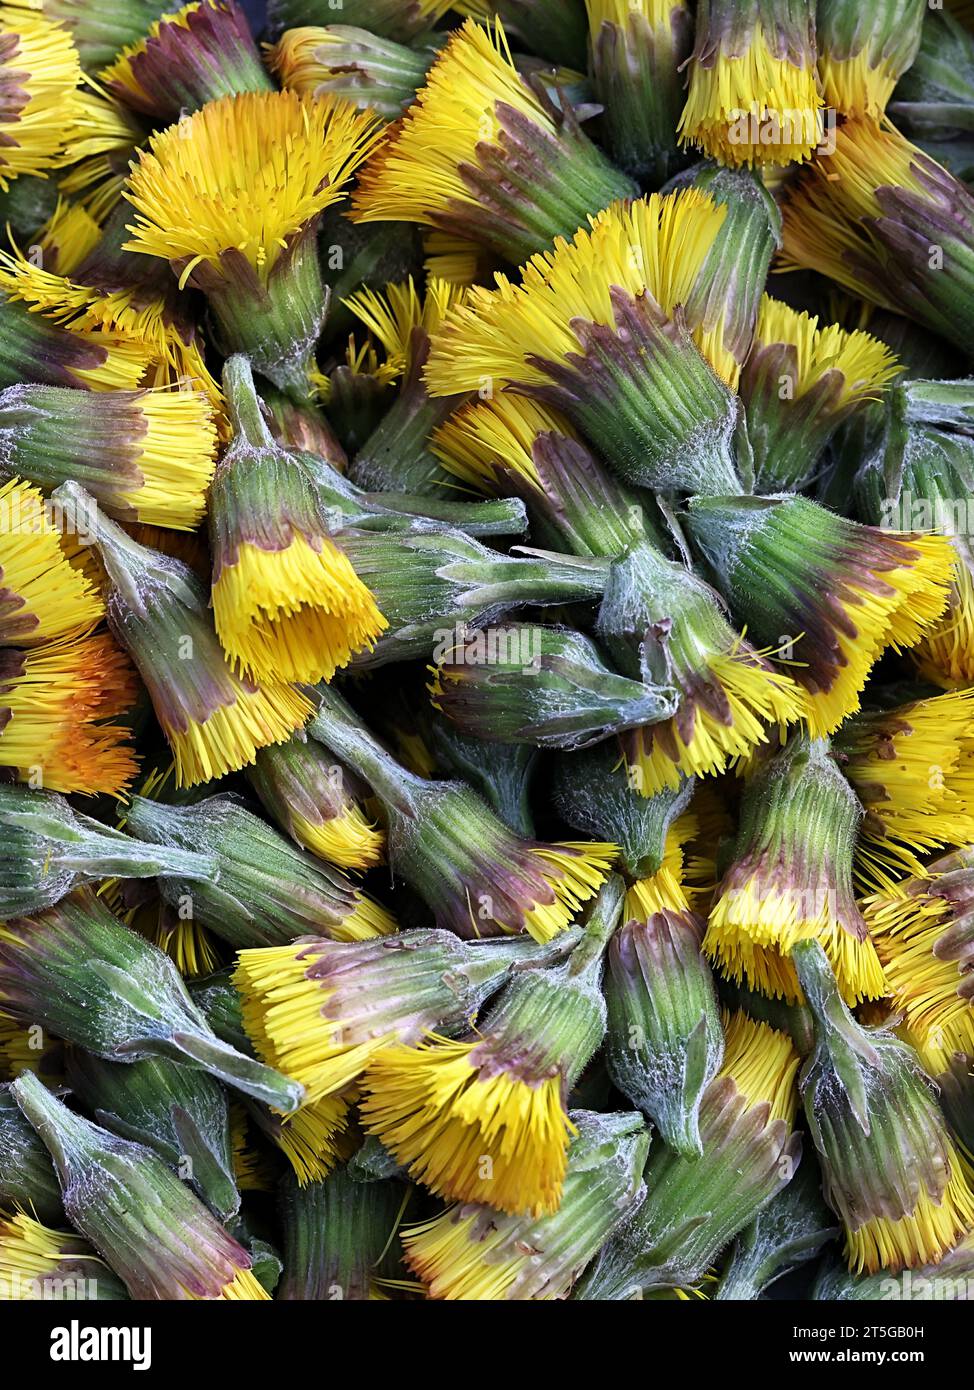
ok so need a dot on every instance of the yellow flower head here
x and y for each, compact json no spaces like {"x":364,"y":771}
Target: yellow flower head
{"x":753,"y":97}
{"x":913,"y":769}
{"x":699,"y":742}
{"x":243,"y":177}
{"x":357,"y":64}
{"x":39,"y":99}
{"x":43,"y":594}
{"x":419,"y":171}
{"x":146,"y":455}
{"x":175,"y":456}
{"x":314,"y":1138}
{"x":317,"y":803}
{"x":397,"y":313}
{"x":475,"y":1252}
{"x":479,"y":154}
{"x":945,"y":652}
{"x":861,"y":56}
{"x":56,"y":704}
{"x":920,"y":928}
{"x":287,"y":602}
{"x":855,"y":86}
{"x":68,"y":236}
{"x":137,"y":321}
{"x":862,"y":364}
{"x":572,"y":871}
{"x":924,"y":1236}
{"x":763,"y":1064}
{"x":228,"y":737}
{"x":654,"y":246}
{"x":202,"y":52}
{"x":791,"y":879}
{"x":296,"y":614}
{"x":846,"y":592}
{"x":38,"y":1263}
{"x":299,"y":57}
{"x":348,"y":839}
{"x":442,"y":1107}
{"x":826,"y":215}
{"x":489,"y":445}
{"x":731,"y":695}
{"x":38,"y":349}
{"x":289,"y":1015}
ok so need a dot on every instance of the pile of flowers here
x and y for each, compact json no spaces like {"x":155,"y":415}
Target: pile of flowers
{"x":486,"y":649}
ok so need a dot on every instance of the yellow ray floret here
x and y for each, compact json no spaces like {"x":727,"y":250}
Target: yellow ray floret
{"x":667,"y":890}
{"x":42,"y":595}
{"x":251,"y":1169}
{"x":763,"y":1064}
{"x":469,"y":1127}
{"x":894,"y":611}
{"x":229,"y":738}
{"x":367,"y":919}
{"x":945,"y":652}
{"x":94,"y":360}
{"x":18,"y":1052}
{"x":910,"y":925}
{"x":759,"y":700}
{"x":913,"y":769}
{"x":574,"y":871}
{"x":753,"y":927}
{"x":188,"y":944}
{"x":68,"y":236}
{"x":59,"y":699}
{"x":655,"y":246}
{"x":393,"y":314}
{"x":855,"y":86}
{"x":361,"y":359}
{"x":244,"y":1286}
{"x":39,"y":1263}
{"x":349,"y":839}
{"x":244,"y":174}
{"x":176,"y":456}
{"x":315,"y":1137}
{"x":458,"y":1258}
{"x":129,"y":312}
{"x":753,"y":107}
{"x":482,"y":441}
{"x":865,"y":364}
{"x":454,"y":258}
{"x":285,"y":1015}
{"x":825,"y":218}
{"x":160,"y":347}
{"x":417,"y":172}
{"x":40,"y":73}
{"x":101,"y":126}
{"x":923,"y":1237}
{"x":296,"y":614}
